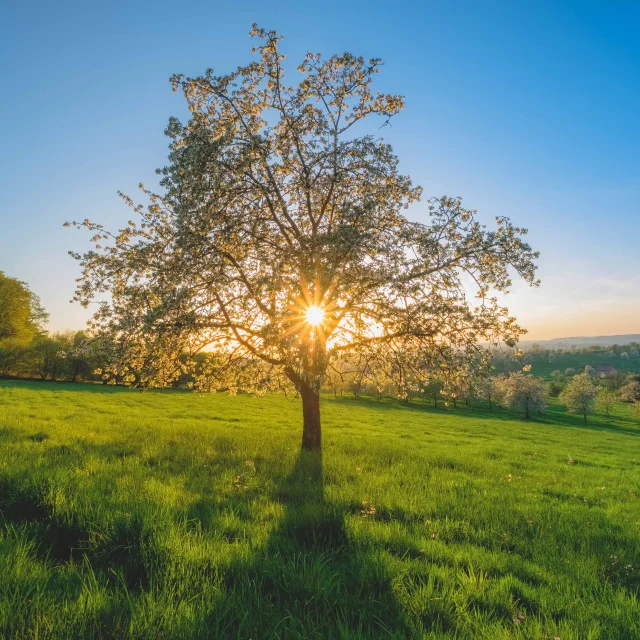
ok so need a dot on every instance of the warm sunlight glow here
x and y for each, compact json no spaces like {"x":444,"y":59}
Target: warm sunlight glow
{"x":315,"y":315}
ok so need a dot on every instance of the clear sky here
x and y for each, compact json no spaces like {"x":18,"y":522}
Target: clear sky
{"x":527,"y":109}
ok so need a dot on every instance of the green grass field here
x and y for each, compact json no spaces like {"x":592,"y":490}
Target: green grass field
{"x":170,"y":515}
{"x":540,"y":365}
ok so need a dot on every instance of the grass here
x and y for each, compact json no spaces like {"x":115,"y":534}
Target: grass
{"x":170,"y":515}
{"x":540,"y":365}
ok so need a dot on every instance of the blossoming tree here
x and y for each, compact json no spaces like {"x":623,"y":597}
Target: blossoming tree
{"x":279,"y":244}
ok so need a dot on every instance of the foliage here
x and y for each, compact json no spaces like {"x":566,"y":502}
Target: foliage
{"x":433,"y":390}
{"x":277,"y":200}
{"x":525,"y":393}
{"x":630,"y":392}
{"x":68,"y":356}
{"x":21,"y":314}
{"x":172,"y":515}
{"x":606,"y":401}
{"x":555,"y":389}
{"x":580,"y":395}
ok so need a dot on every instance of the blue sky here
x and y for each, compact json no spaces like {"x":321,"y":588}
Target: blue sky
{"x":526,"y":109}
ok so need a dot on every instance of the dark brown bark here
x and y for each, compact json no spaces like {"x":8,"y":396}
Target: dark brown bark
{"x":311,"y":432}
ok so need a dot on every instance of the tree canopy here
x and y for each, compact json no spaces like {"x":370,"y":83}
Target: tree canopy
{"x":524,"y":392}
{"x":21,"y":314}
{"x":280,"y":243}
{"x":580,"y":395}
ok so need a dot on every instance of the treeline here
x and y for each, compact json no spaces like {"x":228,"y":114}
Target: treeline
{"x":68,"y":356}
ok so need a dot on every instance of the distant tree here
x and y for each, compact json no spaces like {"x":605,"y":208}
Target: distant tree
{"x":13,"y":357}
{"x":580,"y":395}
{"x":280,"y":241}
{"x":634,"y":353}
{"x":589,"y":370}
{"x":484,"y":388}
{"x":606,"y":401}
{"x":21,"y":313}
{"x":536,"y":349}
{"x":555,"y":389}
{"x":433,"y":390}
{"x":45,"y":357}
{"x":556,"y":374}
{"x":75,"y":351}
{"x":630,"y":392}
{"x":569,"y":372}
{"x":624,"y":355}
{"x":525,"y":393}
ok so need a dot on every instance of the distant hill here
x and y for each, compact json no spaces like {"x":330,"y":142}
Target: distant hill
{"x":584,"y":341}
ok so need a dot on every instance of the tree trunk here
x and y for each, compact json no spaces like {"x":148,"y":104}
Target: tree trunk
{"x":526,"y":413}
{"x":311,"y":433}
{"x":585,"y":417}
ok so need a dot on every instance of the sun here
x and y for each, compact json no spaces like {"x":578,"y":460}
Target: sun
{"x":315,"y":315}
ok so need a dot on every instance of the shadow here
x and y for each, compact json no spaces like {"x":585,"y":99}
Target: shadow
{"x":311,"y":578}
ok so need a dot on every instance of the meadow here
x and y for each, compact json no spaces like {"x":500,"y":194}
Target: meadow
{"x":540,"y":365}
{"x":167,"y":515}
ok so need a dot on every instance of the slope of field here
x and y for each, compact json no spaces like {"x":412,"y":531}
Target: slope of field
{"x":170,"y":515}
{"x":541,"y":366}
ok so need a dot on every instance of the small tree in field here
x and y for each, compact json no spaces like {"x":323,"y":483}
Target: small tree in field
{"x":580,"y":395}
{"x":569,"y":372}
{"x":523,"y":392}
{"x":280,"y":243}
{"x":606,"y":401}
{"x":630,"y":392}
{"x":488,"y":389}
{"x":433,"y":390}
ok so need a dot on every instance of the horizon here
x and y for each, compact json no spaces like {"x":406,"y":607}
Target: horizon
{"x":510,"y":122}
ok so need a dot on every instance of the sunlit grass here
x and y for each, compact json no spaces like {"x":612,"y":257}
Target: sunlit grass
{"x":171,"y":515}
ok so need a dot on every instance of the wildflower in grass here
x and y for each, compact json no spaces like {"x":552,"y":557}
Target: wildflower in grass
{"x":570,"y":460}
{"x":358,"y":470}
{"x":508,"y":477}
{"x":519,"y":618}
{"x":434,"y":536}
{"x":367,"y":509}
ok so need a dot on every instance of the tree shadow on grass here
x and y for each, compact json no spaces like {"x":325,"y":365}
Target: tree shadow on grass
{"x":310,"y":579}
